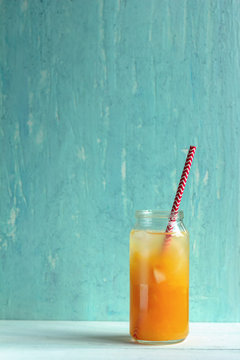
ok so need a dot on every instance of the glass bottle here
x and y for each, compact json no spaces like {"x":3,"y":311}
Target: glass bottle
{"x":159,"y":278}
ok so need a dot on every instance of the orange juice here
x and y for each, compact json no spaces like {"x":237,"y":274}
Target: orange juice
{"x":159,"y":283}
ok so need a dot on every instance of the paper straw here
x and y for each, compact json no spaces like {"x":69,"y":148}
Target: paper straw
{"x":179,"y":193}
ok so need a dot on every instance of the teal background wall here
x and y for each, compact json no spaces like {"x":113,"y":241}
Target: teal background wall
{"x":99,"y":103}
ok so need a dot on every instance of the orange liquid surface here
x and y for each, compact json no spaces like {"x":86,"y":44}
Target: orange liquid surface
{"x":159,"y":283}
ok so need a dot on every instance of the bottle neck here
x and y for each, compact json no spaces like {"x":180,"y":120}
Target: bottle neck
{"x":158,"y":220}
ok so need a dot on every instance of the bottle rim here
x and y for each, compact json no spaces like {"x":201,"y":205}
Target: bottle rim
{"x":160,"y":214}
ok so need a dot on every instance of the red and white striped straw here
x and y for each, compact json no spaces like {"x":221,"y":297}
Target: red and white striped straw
{"x":179,"y":192}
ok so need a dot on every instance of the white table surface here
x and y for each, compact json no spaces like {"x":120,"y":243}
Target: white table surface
{"x":23,"y":340}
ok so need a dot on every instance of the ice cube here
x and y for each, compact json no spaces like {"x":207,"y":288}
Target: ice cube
{"x":159,"y":275}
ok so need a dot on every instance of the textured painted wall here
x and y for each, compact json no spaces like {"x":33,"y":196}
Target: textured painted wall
{"x":99,"y":102}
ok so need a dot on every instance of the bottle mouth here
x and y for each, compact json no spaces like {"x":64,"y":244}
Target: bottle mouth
{"x":160,"y":214}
